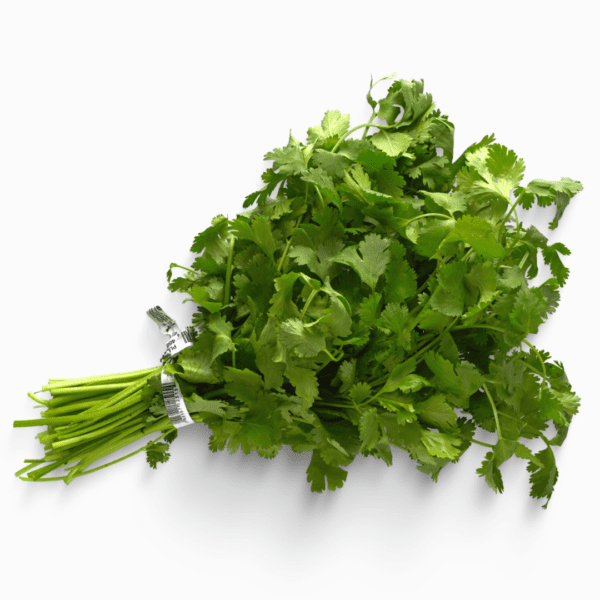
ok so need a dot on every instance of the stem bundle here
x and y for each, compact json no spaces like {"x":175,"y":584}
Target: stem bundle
{"x":89,"y":418}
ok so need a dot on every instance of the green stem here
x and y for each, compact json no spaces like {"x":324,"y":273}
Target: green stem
{"x":436,"y":339}
{"x":227,"y":290}
{"x":185,"y":268}
{"x":321,"y":201}
{"x":419,"y":313}
{"x":287,"y":245}
{"x":307,"y":303}
{"x":539,"y":358}
{"x":543,"y":368}
{"x":478,"y":327}
{"x":425,"y":216}
{"x":112,"y":378}
{"x":513,"y":208}
{"x":106,"y":387}
{"x":524,"y":259}
{"x":119,"y":459}
{"x":325,"y":404}
{"x":369,"y":124}
{"x":333,"y":357}
{"x":481,"y":443}
{"x":495,"y":411}
{"x":537,"y":372}
{"x":464,"y":258}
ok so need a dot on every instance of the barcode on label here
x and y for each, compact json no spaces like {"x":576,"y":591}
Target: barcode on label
{"x":178,"y":340}
{"x":174,"y":402}
{"x":158,"y":315}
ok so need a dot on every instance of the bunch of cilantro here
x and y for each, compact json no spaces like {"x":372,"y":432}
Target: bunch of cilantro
{"x":376,"y":295}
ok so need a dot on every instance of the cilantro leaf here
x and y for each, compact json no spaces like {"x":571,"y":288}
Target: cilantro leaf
{"x":546,"y":193}
{"x":371,"y":263}
{"x":322,"y":475}
{"x":157,"y":453}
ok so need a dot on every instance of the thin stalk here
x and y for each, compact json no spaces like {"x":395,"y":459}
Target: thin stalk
{"x":114,"y":377}
{"x":513,"y":208}
{"x":287,"y":245}
{"x":227,"y":290}
{"x":481,"y":443}
{"x":495,"y":411}
{"x":123,"y":457}
{"x":74,"y":398}
{"x":185,"y":268}
{"x":67,"y":408}
{"x":423,"y":216}
{"x":307,"y":303}
{"x":103,"y":387}
{"x":369,"y":124}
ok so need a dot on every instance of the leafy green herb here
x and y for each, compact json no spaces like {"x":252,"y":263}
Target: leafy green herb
{"x":375,"y":287}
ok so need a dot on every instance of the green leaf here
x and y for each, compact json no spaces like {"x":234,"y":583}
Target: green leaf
{"x":305,"y":383}
{"x":511,"y":278}
{"x":442,"y":445}
{"x":462,"y":381}
{"x":259,"y":430}
{"x":436,"y":412}
{"x":196,"y":364}
{"x":213,"y":240}
{"x":399,"y":374}
{"x":370,"y":433}
{"x":283,"y":306}
{"x":499,"y":168}
{"x":242,"y":384}
{"x":375,"y":161}
{"x":360,"y":392}
{"x":393,"y":144}
{"x":401,"y":281}
{"x":157,"y":452}
{"x":288,"y":160}
{"x":543,"y":478}
{"x":489,"y":469}
{"x":482,"y":277}
{"x":215,"y":407}
{"x":200,"y":295}
{"x":373,"y":259}
{"x":222,"y":330}
{"x":319,"y":177}
{"x":306,"y":340}
{"x":357,"y":179}
{"x":478,"y":234}
{"x":549,"y":192}
{"x":451,"y":203}
{"x":334,"y":164}
{"x":528,"y":311}
{"x":429,"y":236}
{"x":333,"y":125}
{"x":558,"y":406}
{"x":257,"y":231}
{"x":449,"y":296}
{"x":524,"y":452}
{"x":552,"y":258}
{"x":322,"y":475}
{"x":369,"y":309}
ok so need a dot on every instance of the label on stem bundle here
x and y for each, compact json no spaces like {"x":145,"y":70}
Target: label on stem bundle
{"x":174,"y":401}
{"x":178,"y":339}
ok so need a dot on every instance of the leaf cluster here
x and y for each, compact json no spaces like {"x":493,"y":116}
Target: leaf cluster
{"x":376,"y":294}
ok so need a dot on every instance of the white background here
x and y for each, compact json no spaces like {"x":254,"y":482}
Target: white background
{"x":124,"y":128}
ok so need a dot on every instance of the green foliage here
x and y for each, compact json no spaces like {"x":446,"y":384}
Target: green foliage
{"x":382,"y":288}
